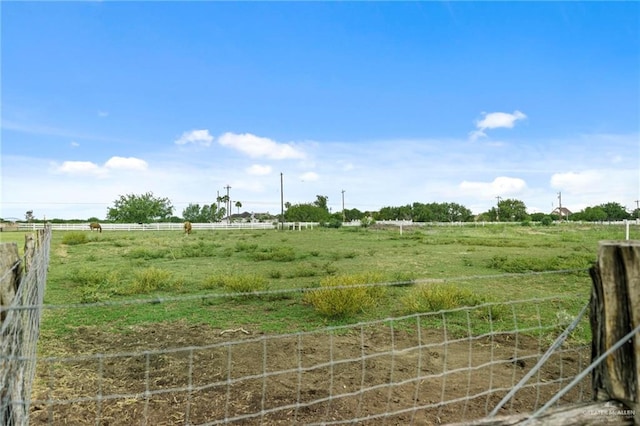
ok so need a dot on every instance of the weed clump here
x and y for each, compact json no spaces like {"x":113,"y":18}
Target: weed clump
{"x":540,"y":264}
{"x":437,"y":297}
{"x":237,"y":283}
{"x":94,"y":285}
{"x":149,"y":280}
{"x":276,"y":254}
{"x":345,"y":295}
{"x":146,"y":253}
{"x":74,"y":238}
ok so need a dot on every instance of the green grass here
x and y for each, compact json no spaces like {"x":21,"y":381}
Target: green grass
{"x":120,"y":266}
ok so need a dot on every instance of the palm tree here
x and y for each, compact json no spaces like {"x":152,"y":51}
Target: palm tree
{"x":226,"y":200}
{"x":238,"y":205}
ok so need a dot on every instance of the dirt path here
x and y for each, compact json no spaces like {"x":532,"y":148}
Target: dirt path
{"x":297,"y":379}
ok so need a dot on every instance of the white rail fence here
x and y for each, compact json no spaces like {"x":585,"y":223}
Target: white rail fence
{"x":165,"y":226}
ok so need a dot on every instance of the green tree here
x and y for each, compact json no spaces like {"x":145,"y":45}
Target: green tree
{"x":353,"y":214}
{"x":145,"y":208}
{"x":306,"y":213}
{"x":511,"y":210}
{"x":191,"y":213}
{"x":614,"y":211}
{"x":593,"y":214}
{"x":29,"y":216}
{"x":204,"y":214}
{"x":537,"y":217}
{"x":321,"y":202}
{"x":238,"y":205}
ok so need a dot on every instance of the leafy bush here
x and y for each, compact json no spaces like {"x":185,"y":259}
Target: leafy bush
{"x":345,"y":295}
{"x":367,"y":221}
{"x":74,"y":238}
{"x":332,"y":223}
{"x":546,"y":221}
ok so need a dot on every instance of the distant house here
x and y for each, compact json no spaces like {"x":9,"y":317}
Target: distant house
{"x":562,"y":212}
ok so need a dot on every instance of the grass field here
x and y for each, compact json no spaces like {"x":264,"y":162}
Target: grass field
{"x":437,"y":313}
{"x":203,"y":268}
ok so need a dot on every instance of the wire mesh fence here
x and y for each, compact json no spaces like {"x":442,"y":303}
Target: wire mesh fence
{"x":20,"y":330}
{"x":417,"y":369}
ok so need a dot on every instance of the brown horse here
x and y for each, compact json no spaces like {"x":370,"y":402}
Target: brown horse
{"x":187,"y":227}
{"x":95,"y":225}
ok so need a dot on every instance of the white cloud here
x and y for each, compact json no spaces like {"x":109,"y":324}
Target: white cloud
{"x":501,"y":186}
{"x":103,"y":114}
{"x":258,"y":170}
{"x":88,"y":168}
{"x":129,"y":163}
{"x":74,"y":144}
{"x":309,"y":177}
{"x":196,"y":137}
{"x":80,"y":168}
{"x":256,"y":147}
{"x":494,"y":120}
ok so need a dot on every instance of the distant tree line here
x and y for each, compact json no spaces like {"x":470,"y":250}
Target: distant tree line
{"x":147,"y":208}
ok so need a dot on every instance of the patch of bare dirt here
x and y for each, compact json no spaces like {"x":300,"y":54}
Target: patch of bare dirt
{"x":179,"y":373}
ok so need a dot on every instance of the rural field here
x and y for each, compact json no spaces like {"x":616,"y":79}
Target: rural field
{"x":133,"y":312}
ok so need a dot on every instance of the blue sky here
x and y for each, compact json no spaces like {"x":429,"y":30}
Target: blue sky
{"x":391,"y":102}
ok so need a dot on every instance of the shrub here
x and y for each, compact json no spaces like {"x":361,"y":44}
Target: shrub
{"x":367,"y":221}
{"x":74,"y":238}
{"x":332,"y":223}
{"x":345,"y":295}
{"x":546,"y":221}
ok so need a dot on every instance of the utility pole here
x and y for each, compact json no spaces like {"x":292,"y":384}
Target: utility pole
{"x":498,"y":208}
{"x":560,"y":205}
{"x":281,"y":202}
{"x":218,"y":200}
{"x":343,"y":215}
{"x":228,"y":204}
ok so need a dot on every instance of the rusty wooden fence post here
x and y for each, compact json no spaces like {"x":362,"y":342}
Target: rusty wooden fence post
{"x":10,"y":276}
{"x":615,"y":312}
